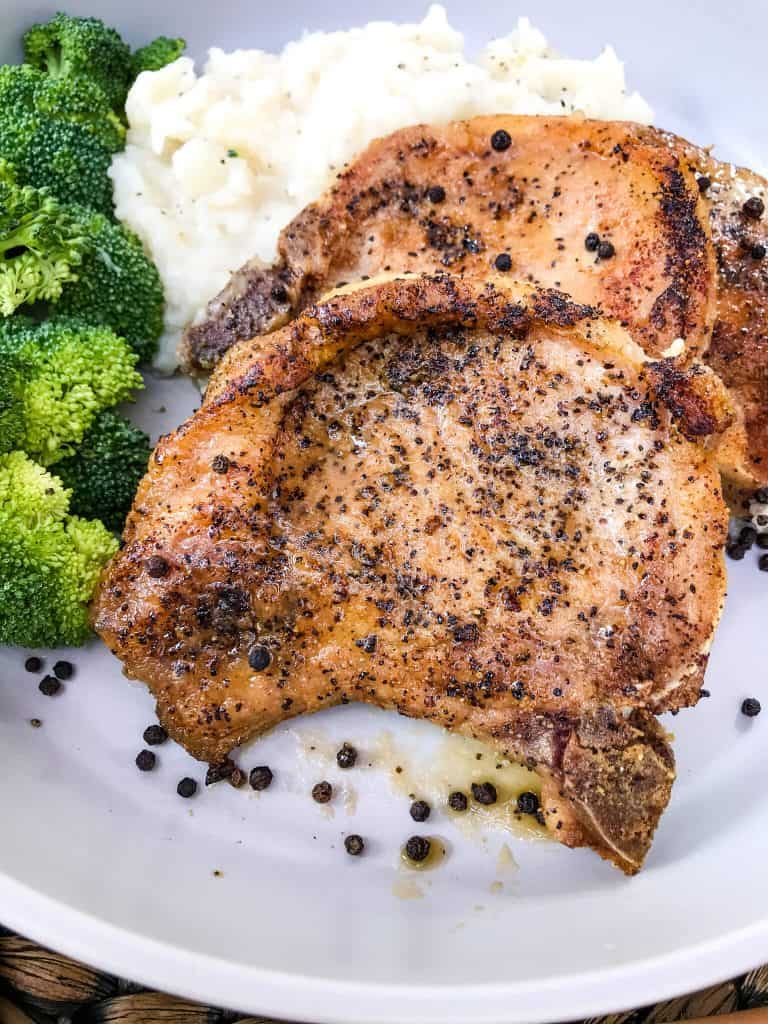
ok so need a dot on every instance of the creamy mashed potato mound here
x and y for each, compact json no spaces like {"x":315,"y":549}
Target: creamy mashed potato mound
{"x":217,"y":163}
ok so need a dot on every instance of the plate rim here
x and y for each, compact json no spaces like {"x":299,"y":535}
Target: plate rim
{"x":215,"y":981}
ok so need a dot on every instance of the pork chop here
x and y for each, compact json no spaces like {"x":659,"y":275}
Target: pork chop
{"x":610,"y":212}
{"x":739,"y":348}
{"x":468,"y":502}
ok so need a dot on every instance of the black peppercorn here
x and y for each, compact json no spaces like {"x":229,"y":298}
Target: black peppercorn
{"x":761,"y":496}
{"x":259,"y":658}
{"x":33,"y":664}
{"x":261,"y":777}
{"x":218,"y":772}
{"x":420,"y":810}
{"x":436,"y":194}
{"x":49,"y":686}
{"x":458,"y":801}
{"x":703,"y":182}
{"x":417,"y":848}
{"x":367,"y":643}
{"x":753,"y":208}
{"x":187,"y":788}
{"x":145,"y":760}
{"x":758,"y":251}
{"x":592,"y":241}
{"x":346,"y":756}
{"x":762,"y":541}
{"x":220,"y":464}
{"x":484,"y":792}
{"x":527,"y":803}
{"x":63,"y":670}
{"x":354,"y":845}
{"x":279,"y":294}
{"x":501,"y":140}
{"x":747,"y":536}
{"x":750,"y":707}
{"x":735,"y":551}
{"x":322,"y":792}
{"x":503,"y":262}
{"x":155,"y":734}
{"x":606,"y":250}
{"x":157,"y":567}
{"x":762,"y":563}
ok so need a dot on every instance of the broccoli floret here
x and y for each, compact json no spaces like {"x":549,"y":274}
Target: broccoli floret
{"x":50,"y":561}
{"x":62,"y":156}
{"x":41,"y":245}
{"x":71,"y":47}
{"x":19,"y":85}
{"x":59,"y":134}
{"x":105,"y":471}
{"x":29,"y":97}
{"x":117,"y":285}
{"x":55,"y":378}
{"x":157,"y":54}
{"x":82,"y":102}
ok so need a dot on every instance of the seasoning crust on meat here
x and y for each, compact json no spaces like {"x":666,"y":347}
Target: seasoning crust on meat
{"x":618,"y":215}
{"x":472,"y":503}
{"x":738,"y":352}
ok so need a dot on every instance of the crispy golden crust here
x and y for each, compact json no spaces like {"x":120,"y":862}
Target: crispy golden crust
{"x":739,"y":348}
{"x":695,"y":396}
{"x":559,"y":180}
{"x":465,"y":502}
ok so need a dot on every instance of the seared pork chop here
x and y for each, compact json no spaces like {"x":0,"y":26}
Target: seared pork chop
{"x":468,"y":502}
{"x":739,"y":348}
{"x":540,"y":194}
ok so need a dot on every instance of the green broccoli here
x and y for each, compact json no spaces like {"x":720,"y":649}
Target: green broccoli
{"x":19,"y":85}
{"x":62,"y":156}
{"x":105,"y":471}
{"x":157,"y":54}
{"x":82,"y":102}
{"x":50,"y":561}
{"x":29,"y":97}
{"x":70,"y":47}
{"x":41,"y":244}
{"x":117,"y":285}
{"x":55,"y":378}
{"x":59,"y":133}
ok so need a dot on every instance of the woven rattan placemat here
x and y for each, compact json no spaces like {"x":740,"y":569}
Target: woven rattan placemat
{"x":38,"y":986}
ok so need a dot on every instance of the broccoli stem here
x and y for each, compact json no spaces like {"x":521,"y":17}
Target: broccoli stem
{"x":54,"y":61}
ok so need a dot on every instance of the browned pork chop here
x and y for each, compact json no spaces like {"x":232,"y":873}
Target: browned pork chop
{"x":539,"y":194}
{"x":467,"y":502}
{"x":739,"y":349}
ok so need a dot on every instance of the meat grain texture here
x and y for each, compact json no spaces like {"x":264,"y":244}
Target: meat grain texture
{"x":473,"y":503}
{"x":678,"y":261}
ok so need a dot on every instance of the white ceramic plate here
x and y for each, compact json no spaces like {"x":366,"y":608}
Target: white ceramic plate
{"x":109,"y":865}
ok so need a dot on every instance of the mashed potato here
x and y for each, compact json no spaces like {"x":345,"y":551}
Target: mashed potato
{"x":216,"y":164}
